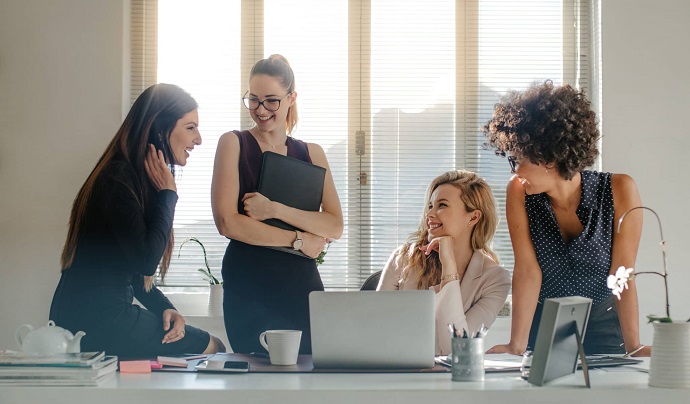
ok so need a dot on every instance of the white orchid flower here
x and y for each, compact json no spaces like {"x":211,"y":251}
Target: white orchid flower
{"x":618,"y":282}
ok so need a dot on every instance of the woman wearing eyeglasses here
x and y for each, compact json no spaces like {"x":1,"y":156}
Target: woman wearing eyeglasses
{"x":266,"y":288}
{"x":562,"y":217}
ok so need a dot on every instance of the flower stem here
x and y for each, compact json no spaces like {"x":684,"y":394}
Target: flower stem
{"x":663,"y":252}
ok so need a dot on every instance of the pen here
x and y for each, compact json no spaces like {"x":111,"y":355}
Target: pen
{"x":259,"y":354}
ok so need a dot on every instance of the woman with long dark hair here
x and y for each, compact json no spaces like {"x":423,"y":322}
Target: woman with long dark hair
{"x":120,"y":230}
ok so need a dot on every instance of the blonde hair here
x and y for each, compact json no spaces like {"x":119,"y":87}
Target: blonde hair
{"x":277,"y":66}
{"x":476,"y":194}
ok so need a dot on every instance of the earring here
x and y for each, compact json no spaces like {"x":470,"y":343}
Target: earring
{"x":547,"y":170}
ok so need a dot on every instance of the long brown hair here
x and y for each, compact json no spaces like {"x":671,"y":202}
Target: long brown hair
{"x":277,"y":66}
{"x":476,"y":194}
{"x":150,"y":121}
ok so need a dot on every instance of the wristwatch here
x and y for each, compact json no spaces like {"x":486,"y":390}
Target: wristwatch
{"x":297,"y":244}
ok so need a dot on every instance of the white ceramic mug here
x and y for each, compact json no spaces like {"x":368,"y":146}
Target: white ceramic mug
{"x":282,"y":345}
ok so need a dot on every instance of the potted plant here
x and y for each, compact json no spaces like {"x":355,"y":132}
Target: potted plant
{"x":322,"y":255}
{"x":671,"y":349}
{"x":215,"y":296}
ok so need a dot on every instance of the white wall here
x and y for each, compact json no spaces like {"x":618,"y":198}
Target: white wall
{"x":61,"y":92}
{"x":646,"y":104}
{"x":61,"y":88}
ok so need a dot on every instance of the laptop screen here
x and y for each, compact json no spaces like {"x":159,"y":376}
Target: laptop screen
{"x":387,"y":329}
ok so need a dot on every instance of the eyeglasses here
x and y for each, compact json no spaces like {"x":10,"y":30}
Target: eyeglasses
{"x":513,"y":164}
{"x":271,"y":104}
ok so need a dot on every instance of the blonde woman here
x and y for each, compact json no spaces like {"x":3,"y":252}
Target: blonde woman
{"x":450,"y":254}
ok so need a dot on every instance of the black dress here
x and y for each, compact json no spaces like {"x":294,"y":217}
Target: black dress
{"x":581,"y":266}
{"x":265,"y":288}
{"x":119,"y":244}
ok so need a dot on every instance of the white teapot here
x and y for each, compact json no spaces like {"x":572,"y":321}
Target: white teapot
{"x":50,"y":339}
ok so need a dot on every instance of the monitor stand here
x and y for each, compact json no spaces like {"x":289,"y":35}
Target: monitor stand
{"x":581,"y":351}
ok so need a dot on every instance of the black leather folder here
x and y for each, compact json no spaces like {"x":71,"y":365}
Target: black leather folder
{"x":293,"y":183}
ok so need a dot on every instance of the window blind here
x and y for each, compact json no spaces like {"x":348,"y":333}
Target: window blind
{"x":394,"y":91}
{"x":143,"y":46}
{"x":199,"y":50}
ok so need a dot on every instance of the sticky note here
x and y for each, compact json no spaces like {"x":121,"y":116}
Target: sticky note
{"x":156,"y":365}
{"x":135,"y":366}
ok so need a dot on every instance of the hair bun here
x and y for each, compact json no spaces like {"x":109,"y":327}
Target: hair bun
{"x":276,"y":56}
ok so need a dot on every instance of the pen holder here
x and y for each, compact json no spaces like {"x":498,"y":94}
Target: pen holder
{"x":467,"y":359}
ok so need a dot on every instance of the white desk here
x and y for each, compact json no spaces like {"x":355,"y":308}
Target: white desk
{"x":608,"y":387}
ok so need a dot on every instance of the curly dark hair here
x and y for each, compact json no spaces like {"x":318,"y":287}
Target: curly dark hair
{"x":546,"y":124}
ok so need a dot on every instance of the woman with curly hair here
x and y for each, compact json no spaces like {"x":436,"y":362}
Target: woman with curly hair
{"x":451,"y":254}
{"x":561,"y":217}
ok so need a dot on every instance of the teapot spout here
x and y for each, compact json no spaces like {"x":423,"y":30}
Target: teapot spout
{"x":74,"y":345}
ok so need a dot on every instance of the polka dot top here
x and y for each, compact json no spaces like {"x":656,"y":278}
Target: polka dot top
{"x":580,"y":267}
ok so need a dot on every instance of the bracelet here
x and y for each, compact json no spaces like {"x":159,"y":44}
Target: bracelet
{"x":634,"y":351}
{"x":451,"y":277}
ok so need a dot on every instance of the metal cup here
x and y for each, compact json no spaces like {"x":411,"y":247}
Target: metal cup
{"x":467,"y":356}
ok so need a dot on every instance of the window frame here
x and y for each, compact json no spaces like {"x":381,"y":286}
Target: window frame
{"x":581,"y":67}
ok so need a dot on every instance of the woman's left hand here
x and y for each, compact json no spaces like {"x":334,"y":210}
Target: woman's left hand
{"x":158,"y":171}
{"x":443,"y":246}
{"x":258,"y":206}
{"x":176,"y":333}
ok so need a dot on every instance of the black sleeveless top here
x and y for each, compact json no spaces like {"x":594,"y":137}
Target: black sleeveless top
{"x":251,"y":158}
{"x":265,"y":288}
{"x":581,"y":266}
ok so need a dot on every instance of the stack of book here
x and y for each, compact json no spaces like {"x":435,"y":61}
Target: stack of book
{"x":70,"y":369}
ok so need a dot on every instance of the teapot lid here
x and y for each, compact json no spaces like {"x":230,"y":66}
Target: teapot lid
{"x":51,"y":328}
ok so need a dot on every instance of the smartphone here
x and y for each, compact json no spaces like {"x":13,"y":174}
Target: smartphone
{"x":222,"y":366}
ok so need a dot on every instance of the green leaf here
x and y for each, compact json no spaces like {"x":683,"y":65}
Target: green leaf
{"x":207,"y":272}
{"x":658,"y":319}
{"x":321,"y":257}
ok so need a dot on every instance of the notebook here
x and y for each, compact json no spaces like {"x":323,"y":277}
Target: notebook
{"x":372,"y":330}
{"x":293,"y":183}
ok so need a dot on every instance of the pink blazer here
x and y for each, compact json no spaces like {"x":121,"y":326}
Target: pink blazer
{"x":468,"y":304}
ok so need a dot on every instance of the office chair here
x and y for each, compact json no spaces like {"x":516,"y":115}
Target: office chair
{"x":372,"y":281}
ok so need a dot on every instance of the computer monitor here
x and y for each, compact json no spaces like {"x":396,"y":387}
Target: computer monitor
{"x":556,"y":347}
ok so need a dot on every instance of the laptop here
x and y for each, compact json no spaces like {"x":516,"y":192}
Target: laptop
{"x":293,"y":183}
{"x":373,"y":330}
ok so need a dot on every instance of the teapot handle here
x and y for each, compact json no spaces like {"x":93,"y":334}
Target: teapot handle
{"x":18,"y":334}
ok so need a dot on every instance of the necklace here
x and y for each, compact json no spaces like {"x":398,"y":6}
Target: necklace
{"x":282,"y":143}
